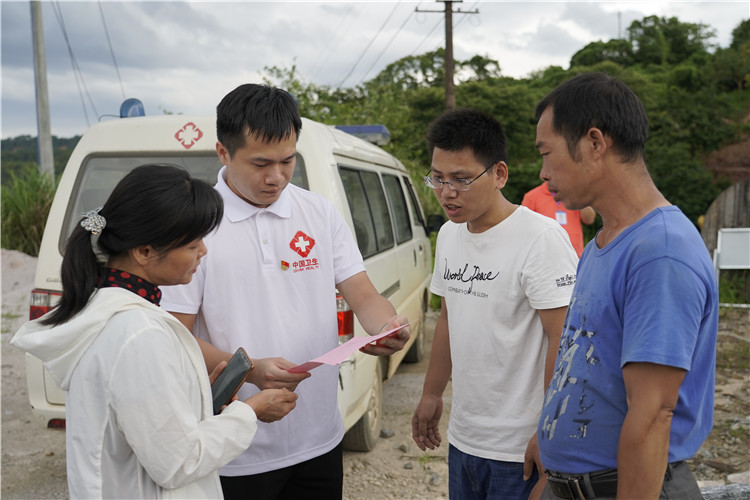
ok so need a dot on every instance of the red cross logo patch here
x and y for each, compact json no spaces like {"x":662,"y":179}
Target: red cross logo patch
{"x":188,"y":135}
{"x":302,"y":244}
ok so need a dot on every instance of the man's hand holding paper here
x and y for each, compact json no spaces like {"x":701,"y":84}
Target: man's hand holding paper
{"x":400,"y":331}
{"x":393,"y":339}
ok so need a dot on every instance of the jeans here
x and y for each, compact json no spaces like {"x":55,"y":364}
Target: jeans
{"x":471,"y":477}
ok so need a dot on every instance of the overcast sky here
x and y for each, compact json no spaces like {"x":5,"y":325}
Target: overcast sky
{"x":182,"y":57}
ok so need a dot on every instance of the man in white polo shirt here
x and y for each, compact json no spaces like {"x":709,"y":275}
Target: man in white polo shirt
{"x":244,"y":295}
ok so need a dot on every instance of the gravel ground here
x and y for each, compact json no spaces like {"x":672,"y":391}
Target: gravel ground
{"x":33,"y":458}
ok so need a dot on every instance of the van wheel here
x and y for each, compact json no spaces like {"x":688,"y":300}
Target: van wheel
{"x":416,"y":351}
{"x":364,"y":434}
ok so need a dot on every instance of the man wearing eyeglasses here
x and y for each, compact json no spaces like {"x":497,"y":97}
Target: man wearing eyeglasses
{"x":505,"y":276}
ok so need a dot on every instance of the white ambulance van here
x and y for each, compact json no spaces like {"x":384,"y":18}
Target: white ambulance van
{"x":371,"y":189}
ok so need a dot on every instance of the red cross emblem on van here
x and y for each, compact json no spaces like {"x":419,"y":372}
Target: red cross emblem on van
{"x":302,"y":244}
{"x":188,"y":135}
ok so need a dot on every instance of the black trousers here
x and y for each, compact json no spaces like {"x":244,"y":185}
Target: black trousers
{"x":320,"y":478}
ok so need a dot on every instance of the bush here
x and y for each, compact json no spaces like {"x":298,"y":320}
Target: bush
{"x":24,"y":205}
{"x":734,"y":286}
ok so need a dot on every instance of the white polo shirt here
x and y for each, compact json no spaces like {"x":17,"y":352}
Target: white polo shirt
{"x":268,"y":284}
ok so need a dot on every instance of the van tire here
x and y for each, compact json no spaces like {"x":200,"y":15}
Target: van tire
{"x":364,"y":434}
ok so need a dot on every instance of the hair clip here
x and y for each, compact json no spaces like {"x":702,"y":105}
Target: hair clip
{"x":93,"y":222}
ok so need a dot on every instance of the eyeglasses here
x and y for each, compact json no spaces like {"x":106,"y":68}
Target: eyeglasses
{"x":455,"y":184}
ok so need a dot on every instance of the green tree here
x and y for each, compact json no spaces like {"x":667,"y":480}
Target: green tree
{"x":512,"y":103}
{"x":412,"y":72}
{"x":731,"y":67}
{"x":687,"y":111}
{"x":682,"y":179}
{"x":478,"y":68}
{"x":740,"y":34}
{"x":696,"y":120}
{"x":660,"y":40}
{"x":288,"y":79}
{"x":617,"y":51}
{"x":687,"y":76}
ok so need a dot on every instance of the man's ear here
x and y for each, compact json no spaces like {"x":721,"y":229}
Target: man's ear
{"x":501,"y":174}
{"x":597,"y":142}
{"x":223,"y":153}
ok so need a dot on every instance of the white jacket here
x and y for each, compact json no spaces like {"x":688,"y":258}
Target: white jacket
{"x":138,"y":402}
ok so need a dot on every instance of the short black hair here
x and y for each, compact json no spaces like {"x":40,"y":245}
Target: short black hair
{"x":466,"y":128}
{"x":598,"y":100}
{"x":265,"y":112}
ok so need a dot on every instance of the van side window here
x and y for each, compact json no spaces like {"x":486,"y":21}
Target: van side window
{"x":416,"y":211}
{"x":367,"y":204}
{"x":398,"y":207}
{"x":99,"y":175}
{"x":299,"y":178}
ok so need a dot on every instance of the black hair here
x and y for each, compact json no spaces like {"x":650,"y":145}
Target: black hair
{"x":460,"y":129}
{"x":156,"y":204}
{"x":598,"y":100}
{"x":267,"y":113}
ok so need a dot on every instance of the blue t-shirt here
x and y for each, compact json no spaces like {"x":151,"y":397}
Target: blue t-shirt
{"x":649,"y":296}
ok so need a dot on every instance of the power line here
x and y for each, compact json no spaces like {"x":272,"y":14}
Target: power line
{"x":341,"y":84}
{"x":112,"y":52}
{"x":456,"y":26}
{"x":337,"y":33}
{"x":76,"y":69}
{"x":386,"y":47}
{"x":440,"y":22}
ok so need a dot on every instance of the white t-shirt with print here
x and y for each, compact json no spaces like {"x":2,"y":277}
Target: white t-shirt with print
{"x":493,"y":283}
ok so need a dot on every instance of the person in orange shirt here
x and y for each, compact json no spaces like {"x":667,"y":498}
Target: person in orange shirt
{"x":540,"y":200}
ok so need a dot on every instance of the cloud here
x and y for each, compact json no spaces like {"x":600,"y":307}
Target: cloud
{"x":184,"y":56}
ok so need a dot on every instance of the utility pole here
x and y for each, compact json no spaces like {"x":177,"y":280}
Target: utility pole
{"x":44,"y":130}
{"x":450,"y":90}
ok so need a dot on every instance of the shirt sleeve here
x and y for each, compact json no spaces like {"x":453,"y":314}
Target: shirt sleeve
{"x":664,"y":307}
{"x":437,"y":285}
{"x":549,"y":272}
{"x":160,"y":416}
{"x":185,"y":299}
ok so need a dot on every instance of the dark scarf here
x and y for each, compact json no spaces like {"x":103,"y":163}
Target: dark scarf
{"x":139,"y":286}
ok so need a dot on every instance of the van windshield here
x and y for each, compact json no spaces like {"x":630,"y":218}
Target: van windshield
{"x":99,"y":175}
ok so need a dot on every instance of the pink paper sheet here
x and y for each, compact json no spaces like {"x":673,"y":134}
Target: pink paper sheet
{"x":339,"y":354}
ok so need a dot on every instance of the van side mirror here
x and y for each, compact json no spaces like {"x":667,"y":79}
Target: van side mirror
{"x":435,"y":222}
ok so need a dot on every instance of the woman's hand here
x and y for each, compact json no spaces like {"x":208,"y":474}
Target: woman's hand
{"x":271,"y":405}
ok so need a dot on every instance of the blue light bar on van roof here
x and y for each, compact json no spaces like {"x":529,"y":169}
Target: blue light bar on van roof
{"x":131,"y":107}
{"x":376,"y":134}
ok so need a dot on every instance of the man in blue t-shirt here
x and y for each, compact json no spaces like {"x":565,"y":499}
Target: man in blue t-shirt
{"x":631,"y":397}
